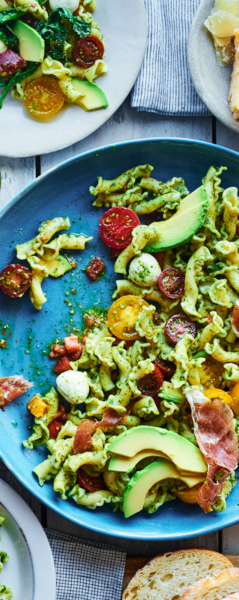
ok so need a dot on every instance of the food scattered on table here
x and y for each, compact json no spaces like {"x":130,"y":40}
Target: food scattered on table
{"x":223,"y":24}
{"x":5,"y":592}
{"x":170,"y":575}
{"x":11,"y":387}
{"x":51,"y":54}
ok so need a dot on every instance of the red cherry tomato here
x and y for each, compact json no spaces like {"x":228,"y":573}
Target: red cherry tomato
{"x":54,"y":428}
{"x":171,"y":283}
{"x":15,"y":280}
{"x":177,"y":326}
{"x":87,"y":50}
{"x":62,"y":365}
{"x":90,"y":484}
{"x":114,"y":253}
{"x":127,"y":343}
{"x":116,"y":226}
{"x":166,"y":367}
{"x":150,"y":384}
{"x":10,"y":63}
{"x":159,"y":257}
{"x":72,"y":344}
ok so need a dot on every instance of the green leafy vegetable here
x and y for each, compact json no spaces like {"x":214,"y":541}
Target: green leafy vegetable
{"x":57,"y":30}
{"x":7,"y":36}
{"x":8,"y":14}
{"x":31,"y":68}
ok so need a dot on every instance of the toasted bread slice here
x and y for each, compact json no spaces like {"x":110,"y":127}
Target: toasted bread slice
{"x":168,"y":576}
{"x":215,"y":587}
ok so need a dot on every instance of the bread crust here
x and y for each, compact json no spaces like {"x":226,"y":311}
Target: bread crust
{"x":215,"y":581}
{"x":154,"y":562}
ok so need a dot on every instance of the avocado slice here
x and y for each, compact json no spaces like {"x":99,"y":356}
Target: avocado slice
{"x":31,"y":44}
{"x":142,"y":481}
{"x":185,"y":455}
{"x":184,"y":223}
{"x":170,"y":394}
{"x":123,"y":464}
{"x":94,"y":96}
{"x":57,"y":267}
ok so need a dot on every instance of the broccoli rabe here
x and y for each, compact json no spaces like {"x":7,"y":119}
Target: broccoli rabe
{"x":5,"y":593}
{"x":3,"y":559}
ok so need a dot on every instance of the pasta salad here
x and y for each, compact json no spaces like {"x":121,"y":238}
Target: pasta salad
{"x":51,"y":53}
{"x":146,"y":403}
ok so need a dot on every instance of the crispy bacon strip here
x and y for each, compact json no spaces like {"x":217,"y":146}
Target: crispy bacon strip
{"x":85,"y":430}
{"x":217,"y":440}
{"x":12,"y":387}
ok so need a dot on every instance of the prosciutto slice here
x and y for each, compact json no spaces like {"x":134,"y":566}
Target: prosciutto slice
{"x":12,"y":387}
{"x":85,"y":430}
{"x":217,"y":440}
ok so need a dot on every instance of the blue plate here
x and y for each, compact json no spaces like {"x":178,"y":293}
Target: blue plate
{"x":64,"y":192}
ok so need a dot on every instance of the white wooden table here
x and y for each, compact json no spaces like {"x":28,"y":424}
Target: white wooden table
{"x":126,"y":124}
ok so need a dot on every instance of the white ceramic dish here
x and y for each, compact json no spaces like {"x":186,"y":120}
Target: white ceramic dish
{"x":30,"y":571}
{"x":124,"y":26}
{"x":211,"y":81}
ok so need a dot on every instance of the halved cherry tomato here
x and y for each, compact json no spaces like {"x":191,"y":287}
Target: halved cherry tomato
{"x":64,"y":415}
{"x":62,"y":365}
{"x":188,"y":495}
{"x":234,"y":393}
{"x":167,"y":367}
{"x":15,"y":280}
{"x":171,"y":283}
{"x":150,"y":384}
{"x":71,"y":343}
{"x":210,"y":373}
{"x":43,"y":97}
{"x":54,"y":428}
{"x":10,"y":62}
{"x":116,"y":226}
{"x":159,"y":257}
{"x":123,"y":315}
{"x":90,"y":484}
{"x":220,"y":394}
{"x":87,"y":50}
{"x":177,"y":326}
{"x":114,"y":253}
{"x":127,"y":343}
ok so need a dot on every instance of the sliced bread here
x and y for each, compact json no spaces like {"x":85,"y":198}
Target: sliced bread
{"x":215,"y":587}
{"x":167,"y":577}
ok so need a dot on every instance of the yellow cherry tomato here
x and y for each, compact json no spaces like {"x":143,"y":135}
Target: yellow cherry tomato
{"x":220,"y":394}
{"x":210,"y":373}
{"x":188,"y":495}
{"x":123,"y":315}
{"x":234,"y":393}
{"x":43,"y":97}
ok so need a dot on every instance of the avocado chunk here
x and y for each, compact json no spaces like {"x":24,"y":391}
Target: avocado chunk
{"x":142,"y":481}
{"x":179,"y":450}
{"x":94,"y":96}
{"x":183,"y":224}
{"x":170,"y":394}
{"x":56,"y":267}
{"x":31,"y":44}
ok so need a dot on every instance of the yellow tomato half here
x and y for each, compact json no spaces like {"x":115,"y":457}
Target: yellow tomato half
{"x":220,"y":394}
{"x":43,"y":97}
{"x":188,"y":495}
{"x":235,"y":399}
{"x":123,"y":315}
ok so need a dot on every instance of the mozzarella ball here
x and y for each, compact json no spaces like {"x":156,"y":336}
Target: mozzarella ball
{"x":3,"y":46}
{"x":72,"y":4}
{"x":73,"y":386}
{"x":144,"y":270}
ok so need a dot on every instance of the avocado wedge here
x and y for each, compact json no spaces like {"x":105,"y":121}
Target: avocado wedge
{"x":183,"y":224}
{"x":123,"y":464}
{"x":31,"y":44}
{"x":94,"y":97}
{"x":179,"y":450}
{"x":142,"y":481}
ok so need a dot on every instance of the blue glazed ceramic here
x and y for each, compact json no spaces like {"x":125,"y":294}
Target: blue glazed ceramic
{"x":60,"y":192}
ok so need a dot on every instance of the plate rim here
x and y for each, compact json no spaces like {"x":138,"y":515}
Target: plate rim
{"x":31,"y":529}
{"x":197,"y":82}
{"x":125,"y":534}
{"x":75,"y":138}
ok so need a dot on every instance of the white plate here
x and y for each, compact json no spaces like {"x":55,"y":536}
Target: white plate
{"x":211,"y":81}
{"x":124,"y":26}
{"x":30,"y":571}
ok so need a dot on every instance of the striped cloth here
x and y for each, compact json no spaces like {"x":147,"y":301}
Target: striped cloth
{"x":164,"y":84}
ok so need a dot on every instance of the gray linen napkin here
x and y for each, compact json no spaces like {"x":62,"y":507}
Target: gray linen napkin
{"x":86,"y":570}
{"x":164,"y":85}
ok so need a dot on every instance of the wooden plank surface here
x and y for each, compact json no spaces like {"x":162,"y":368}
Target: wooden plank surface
{"x":126,"y":124}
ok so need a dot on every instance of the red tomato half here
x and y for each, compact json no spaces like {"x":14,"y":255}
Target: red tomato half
{"x":167,"y":367}
{"x":150,"y":384}
{"x":62,"y":365}
{"x":10,"y":63}
{"x":116,"y":226}
{"x":54,"y":428}
{"x":87,"y":50}
{"x":90,"y":484}
{"x":171,"y":283}
{"x":15,"y":280}
{"x":72,"y":344}
{"x":177,"y":326}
